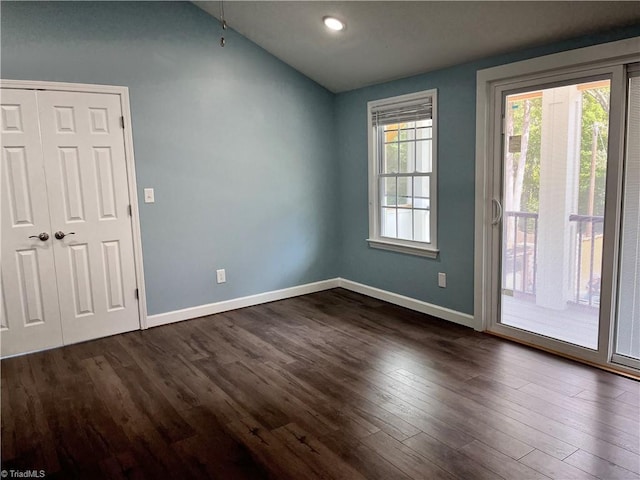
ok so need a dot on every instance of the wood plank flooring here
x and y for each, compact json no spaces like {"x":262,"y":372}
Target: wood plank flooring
{"x":333,"y":385}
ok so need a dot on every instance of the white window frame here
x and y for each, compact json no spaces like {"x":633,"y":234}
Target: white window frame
{"x":375,"y":240}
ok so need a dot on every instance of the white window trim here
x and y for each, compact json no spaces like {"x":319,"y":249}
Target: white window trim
{"x":375,"y":240}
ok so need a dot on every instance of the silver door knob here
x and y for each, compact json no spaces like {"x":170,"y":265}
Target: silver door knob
{"x":44,"y":236}
{"x":60,"y":235}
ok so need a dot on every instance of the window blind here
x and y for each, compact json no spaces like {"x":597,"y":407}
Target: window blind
{"x":628,"y":342}
{"x":398,"y":113}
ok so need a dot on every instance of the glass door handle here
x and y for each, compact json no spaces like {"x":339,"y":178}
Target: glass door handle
{"x":498,"y":217}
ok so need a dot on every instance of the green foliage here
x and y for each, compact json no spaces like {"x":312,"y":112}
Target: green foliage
{"x":531,"y":183}
{"x":595,"y":111}
{"x":400,"y":157}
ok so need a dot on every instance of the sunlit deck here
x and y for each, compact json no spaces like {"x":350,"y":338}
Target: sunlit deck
{"x":577,"y":324}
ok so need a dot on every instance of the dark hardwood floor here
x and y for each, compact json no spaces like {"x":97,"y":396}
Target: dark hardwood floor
{"x":332,"y":385}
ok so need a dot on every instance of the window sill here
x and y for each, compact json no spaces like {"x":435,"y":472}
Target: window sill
{"x":403,"y":248}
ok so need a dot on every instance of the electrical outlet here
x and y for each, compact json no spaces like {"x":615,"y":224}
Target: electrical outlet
{"x":442,"y":280}
{"x":221,"y":276}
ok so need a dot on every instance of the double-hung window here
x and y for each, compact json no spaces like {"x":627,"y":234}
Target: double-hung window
{"x":402,"y":173}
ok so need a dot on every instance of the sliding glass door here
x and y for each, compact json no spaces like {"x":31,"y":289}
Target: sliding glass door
{"x":555,"y":149}
{"x":566,"y":241}
{"x":558,"y":188}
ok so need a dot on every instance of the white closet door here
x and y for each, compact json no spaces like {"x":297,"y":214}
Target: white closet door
{"x":30,"y":316}
{"x":86,"y":176}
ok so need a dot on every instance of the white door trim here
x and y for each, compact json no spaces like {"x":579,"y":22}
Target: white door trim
{"x":490,"y":83}
{"x":123,"y":93}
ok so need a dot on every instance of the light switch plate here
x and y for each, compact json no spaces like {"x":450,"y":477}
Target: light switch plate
{"x":442,"y":280}
{"x":149,"y":196}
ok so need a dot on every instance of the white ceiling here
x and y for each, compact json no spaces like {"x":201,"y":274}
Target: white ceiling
{"x":389,"y":40}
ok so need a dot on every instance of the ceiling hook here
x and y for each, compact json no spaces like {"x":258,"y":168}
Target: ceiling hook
{"x":223,"y":22}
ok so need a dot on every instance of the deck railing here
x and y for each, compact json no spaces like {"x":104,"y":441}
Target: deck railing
{"x":589,"y":230}
{"x":520,"y":258}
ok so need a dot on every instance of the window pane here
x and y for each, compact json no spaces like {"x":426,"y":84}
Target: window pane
{"x":390,"y":133}
{"x":390,"y":164}
{"x":407,"y":157}
{"x":408,"y":131}
{"x":421,"y":192}
{"x":402,"y":169}
{"x":405,"y":192}
{"x":405,"y":224}
{"x":388,"y":191}
{"x":388,"y":222}
{"x":555,"y":261}
{"x":421,"y":226}
{"x":423,"y":156}
{"x":423,"y":133}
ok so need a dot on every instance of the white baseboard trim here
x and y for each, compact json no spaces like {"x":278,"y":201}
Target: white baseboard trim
{"x":411,"y":303}
{"x":242,"y":302}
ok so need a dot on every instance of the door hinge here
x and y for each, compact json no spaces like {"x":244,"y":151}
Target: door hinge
{"x":137,"y":294}
{"x":129,"y":209}
{"x":504,"y":125}
{"x":121,"y":122}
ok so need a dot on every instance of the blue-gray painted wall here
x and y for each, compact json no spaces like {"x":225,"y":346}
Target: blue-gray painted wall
{"x":256,"y":168}
{"x":238,"y":146}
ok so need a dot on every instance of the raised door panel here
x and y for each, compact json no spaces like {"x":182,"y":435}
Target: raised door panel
{"x":30,"y":313}
{"x":19,"y":197}
{"x":88,"y":192}
{"x":73,"y":203}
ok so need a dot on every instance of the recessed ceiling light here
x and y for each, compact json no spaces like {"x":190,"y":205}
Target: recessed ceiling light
{"x":333,"y":23}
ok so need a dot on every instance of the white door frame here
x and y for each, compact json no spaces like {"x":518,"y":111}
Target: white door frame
{"x":490,"y":85}
{"x":123,"y":93}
